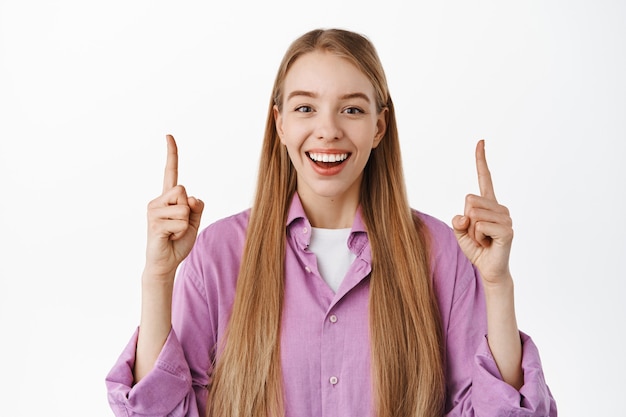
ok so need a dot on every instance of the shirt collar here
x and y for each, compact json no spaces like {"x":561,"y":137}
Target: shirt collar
{"x":298,"y":224}
{"x":296,"y":211}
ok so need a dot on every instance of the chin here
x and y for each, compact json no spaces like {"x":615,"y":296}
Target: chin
{"x":332,"y":192}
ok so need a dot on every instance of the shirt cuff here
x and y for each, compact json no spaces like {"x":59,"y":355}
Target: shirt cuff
{"x":494,"y":397}
{"x":161,"y":391}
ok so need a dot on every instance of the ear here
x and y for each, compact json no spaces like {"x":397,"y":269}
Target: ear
{"x":278,"y":121}
{"x":381,"y":126}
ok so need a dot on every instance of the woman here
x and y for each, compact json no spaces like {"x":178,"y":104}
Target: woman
{"x":331,"y":296}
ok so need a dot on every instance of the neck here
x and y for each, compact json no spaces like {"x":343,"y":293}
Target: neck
{"x":330,"y":212}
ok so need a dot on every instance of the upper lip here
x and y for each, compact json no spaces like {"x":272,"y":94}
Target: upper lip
{"x":328,"y":151}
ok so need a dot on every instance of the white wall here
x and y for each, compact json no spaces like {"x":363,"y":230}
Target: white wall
{"x":89,"y":89}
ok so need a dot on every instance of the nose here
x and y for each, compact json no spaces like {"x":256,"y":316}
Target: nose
{"x":328,"y":127}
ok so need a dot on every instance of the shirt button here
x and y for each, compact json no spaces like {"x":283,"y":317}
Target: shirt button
{"x":333,"y":380}
{"x":307,"y":269}
{"x":304,"y":230}
{"x":333,"y":319}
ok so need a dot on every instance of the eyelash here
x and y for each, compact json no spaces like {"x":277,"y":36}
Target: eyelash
{"x":351,"y":110}
{"x":358,"y":110}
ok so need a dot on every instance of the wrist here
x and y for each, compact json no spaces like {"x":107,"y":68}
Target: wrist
{"x":157,"y":276}
{"x":500,"y":296}
{"x":498,"y":283}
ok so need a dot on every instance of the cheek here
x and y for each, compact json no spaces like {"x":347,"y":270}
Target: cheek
{"x":294,"y":156}
{"x":294,"y":134}
{"x":291,"y":144}
{"x":367,"y":137}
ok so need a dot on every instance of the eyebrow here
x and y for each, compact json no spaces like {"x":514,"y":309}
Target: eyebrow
{"x":313,"y":95}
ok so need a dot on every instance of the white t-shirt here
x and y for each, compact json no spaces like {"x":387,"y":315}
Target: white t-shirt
{"x":330,"y":246}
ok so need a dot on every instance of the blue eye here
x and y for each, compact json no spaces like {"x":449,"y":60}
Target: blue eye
{"x":304,"y":109}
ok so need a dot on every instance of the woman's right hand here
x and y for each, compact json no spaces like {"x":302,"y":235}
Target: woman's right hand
{"x":173,"y":222}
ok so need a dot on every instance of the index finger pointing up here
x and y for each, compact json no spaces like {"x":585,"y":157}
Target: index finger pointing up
{"x":170,"y":179}
{"x":484,"y":176}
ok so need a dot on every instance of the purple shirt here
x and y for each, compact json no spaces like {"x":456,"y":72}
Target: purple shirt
{"x":325,"y":344}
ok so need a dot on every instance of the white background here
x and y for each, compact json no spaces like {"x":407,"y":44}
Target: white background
{"x":88,"y":91}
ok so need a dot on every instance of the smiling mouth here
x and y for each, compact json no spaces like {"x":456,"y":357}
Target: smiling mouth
{"x":327,"y":160}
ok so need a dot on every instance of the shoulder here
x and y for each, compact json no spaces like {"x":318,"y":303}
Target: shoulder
{"x":215,"y":258}
{"x":452,"y":272}
{"x":227,"y":230}
{"x":440,"y":234}
{"x":442,"y":242}
{"x":219,"y":246}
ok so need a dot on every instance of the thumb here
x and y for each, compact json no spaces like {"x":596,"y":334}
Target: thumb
{"x":460,"y":225}
{"x":197,"y":206}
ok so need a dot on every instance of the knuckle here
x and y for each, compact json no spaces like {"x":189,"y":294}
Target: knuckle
{"x":182,"y":211}
{"x":154,"y":227}
{"x":472,"y":200}
{"x":180,"y":189}
{"x":153,"y":203}
{"x":176,"y":192}
{"x":152,"y":213}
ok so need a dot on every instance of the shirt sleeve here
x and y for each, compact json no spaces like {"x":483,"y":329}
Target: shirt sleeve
{"x":178,"y":384}
{"x":165,"y":391}
{"x":474,"y":384}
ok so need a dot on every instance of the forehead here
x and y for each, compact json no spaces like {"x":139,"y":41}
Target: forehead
{"x":323,"y":73}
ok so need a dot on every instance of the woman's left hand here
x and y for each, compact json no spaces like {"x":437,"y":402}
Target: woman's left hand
{"x":485,"y":230}
{"x":485,"y":234}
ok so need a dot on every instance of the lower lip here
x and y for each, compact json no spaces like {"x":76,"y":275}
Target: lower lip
{"x":327,"y":171}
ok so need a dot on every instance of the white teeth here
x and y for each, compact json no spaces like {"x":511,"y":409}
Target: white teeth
{"x":326,"y":157}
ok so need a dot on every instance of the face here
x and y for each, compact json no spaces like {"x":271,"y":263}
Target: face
{"x":329,"y":124}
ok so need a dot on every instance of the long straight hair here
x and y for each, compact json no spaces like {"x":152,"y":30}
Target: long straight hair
{"x":405,"y":326}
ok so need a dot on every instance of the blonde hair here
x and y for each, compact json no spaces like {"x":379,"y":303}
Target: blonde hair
{"x":405,"y":328}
